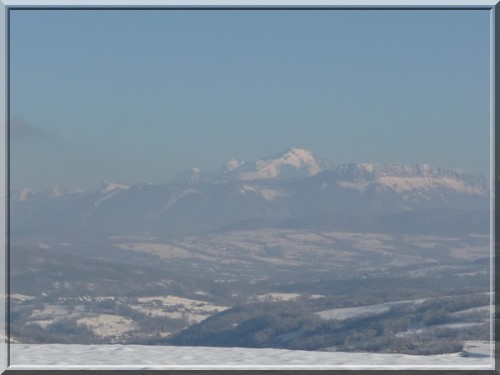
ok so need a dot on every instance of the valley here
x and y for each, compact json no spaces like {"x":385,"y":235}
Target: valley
{"x":339,"y":285}
{"x":285,"y":253}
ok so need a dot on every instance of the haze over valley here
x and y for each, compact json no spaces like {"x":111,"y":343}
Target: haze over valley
{"x":287,"y":252}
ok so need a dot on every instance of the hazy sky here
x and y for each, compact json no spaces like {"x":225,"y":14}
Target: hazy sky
{"x":140,"y":95}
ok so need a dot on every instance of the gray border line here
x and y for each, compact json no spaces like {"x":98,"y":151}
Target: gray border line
{"x":7,"y":5}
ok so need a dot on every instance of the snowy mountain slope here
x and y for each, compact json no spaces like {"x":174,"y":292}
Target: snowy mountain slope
{"x":403,"y":177}
{"x":291,"y":163}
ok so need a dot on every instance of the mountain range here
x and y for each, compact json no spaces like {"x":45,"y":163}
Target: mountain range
{"x":292,"y":187}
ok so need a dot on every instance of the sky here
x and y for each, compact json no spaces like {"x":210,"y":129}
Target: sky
{"x":139,"y":96}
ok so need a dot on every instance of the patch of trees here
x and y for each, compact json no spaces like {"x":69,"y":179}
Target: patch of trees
{"x":251,"y":325}
{"x":293,"y":325}
{"x":160,"y":324}
{"x":64,"y":331}
{"x":384,"y":288}
{"x":417,"y":345}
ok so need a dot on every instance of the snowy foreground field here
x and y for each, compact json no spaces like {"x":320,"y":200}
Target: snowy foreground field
{"x":61,"y":356}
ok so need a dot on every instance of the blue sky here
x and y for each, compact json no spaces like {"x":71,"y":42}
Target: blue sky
{"x":135,"y":96}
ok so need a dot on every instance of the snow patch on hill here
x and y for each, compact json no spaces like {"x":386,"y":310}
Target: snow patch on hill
{"x":108,"y":187}
{"x":178,"y":196}
{"x":266,"y":193}
{"x":23,"y":195}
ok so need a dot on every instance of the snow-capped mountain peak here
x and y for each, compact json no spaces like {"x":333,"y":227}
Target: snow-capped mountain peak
{"x":291,"y":163}
{"x":295,"y":157}
{"x":233,"y":164}
{"x":58,"y":191}
{"x":108,"y":187}
{"x":294,"y":162}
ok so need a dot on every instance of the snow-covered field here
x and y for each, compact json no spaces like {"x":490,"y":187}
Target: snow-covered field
{"x":363,"y":311}
{"x":61,"y":356}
